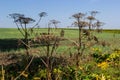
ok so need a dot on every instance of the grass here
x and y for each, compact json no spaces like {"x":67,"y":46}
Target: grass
{"x":9,"y":37}
{"x":7,"y":33}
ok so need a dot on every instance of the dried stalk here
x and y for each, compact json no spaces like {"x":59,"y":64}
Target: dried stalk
{"x":25,"y":68}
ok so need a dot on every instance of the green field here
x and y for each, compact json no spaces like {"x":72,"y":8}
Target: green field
{"x":9,"y":37}
{"x":7,"y":33}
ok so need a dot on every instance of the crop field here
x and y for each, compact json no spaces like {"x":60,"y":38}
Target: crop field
{"x":6,"y":33}
{"x":9,"y":36}
{"x":100,"y":58}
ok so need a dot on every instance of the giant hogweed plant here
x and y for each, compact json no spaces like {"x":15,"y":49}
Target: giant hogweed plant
{"x":85,"y":37}
{"x":22,"y":22}
{"x":50,"y":42}
{"x":22,"y":25}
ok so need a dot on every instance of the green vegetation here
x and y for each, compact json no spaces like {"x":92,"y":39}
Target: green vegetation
{"x":101,"y":62}
{"x":13,"y":33}
{"x":112,"y":31}
{"x":8,"y":33}
{"x":9,"y":37}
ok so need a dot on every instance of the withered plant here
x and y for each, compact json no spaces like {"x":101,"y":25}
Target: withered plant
{"x":22,"y":24}
{"x":54,"y":22}
{"x":92,"y":18}
{"x":79,"y":17}
{"x":51,"y":43}
{"x":85,"y":39}
{"x":41,"y":15}
{"x":98,"y":24}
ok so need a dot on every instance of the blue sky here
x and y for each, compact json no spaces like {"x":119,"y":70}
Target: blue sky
{"x":61,"y":10}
